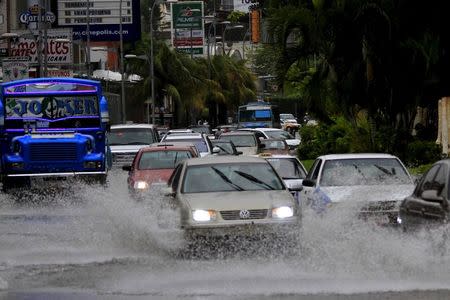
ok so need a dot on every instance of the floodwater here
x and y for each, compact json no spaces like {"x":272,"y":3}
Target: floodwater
{"x":88,"y":242}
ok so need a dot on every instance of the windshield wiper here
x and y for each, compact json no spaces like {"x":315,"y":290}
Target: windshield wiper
{"x":227,"y":180}
{"x":254,"y":179}
{"x":384,"y":170}
{"x":360,"y":172}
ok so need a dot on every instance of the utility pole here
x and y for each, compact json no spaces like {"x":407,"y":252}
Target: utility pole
{"x":122,"y":72}
{"x":87,"y":49}
{"x":39,"y":40}
{"x":45,"y":39}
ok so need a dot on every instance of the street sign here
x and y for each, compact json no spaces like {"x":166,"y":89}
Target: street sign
{"x":188,"y":32}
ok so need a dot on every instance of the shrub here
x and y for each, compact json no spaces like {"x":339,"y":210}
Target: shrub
{"x":422,"y":152}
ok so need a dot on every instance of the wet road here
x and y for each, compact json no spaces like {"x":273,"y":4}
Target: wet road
{"x":88,"y":242}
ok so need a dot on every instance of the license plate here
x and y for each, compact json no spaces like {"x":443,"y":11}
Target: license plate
{"x":380,"y":220}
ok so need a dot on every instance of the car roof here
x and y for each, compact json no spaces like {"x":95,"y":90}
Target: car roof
{"x":208,"y":160}
{"x":134,"y":125}
{"x":266,"y":155}
{"x":160,"y":147}
{"x":356,"y":156}
{"x":186,"y":135}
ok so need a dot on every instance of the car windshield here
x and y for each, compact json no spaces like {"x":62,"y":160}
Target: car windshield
{"x":287,"y":168}
{"x":268,"y":144}
{"x":165,"y":159}
{"x":286,"y":116}
{"x":199,"y":143}
{"x":240,"y":140}
{"x":279,"y":134}
{"x":130,"y":136}
{"x":231,"y":177}
{"x":367,"y":171}
{"x":224,"y":147}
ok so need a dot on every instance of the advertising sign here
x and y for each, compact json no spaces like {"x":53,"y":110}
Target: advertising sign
{"x":104,"y":21}
{"x":59,"y":46}
{"x":51,"y":107}
{"x":15,"y":69}
{"x":188,"y":27}
{"x":243,"y":5}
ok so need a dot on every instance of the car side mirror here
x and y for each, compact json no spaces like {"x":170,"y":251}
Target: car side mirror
{"x":168,"y":192}
{"x":126,"y":168}
{"x":215,"y":150}
{"x":239,"y":152}
{"x":309,"y":182}
{"x":262,"y":146}
{"x":432,"y":196}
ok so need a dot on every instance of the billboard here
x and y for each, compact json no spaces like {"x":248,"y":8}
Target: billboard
{"x":188,"y":32}
{"x":104,"y":21}
{"x":243,"y":5}
{"x":59,"y":46}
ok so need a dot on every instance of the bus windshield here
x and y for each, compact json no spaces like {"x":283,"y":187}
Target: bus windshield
{"x":255,"y":115}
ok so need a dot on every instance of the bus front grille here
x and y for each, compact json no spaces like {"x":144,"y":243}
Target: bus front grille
{"x":53,"y":152}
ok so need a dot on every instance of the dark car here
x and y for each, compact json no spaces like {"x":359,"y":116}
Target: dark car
{"x":224,"y":148}
{"x":428,"y":206}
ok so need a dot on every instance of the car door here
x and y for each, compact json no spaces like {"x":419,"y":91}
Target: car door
{"x":423,"y":202}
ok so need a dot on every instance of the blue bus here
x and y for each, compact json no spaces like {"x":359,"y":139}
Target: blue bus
{"x":52,"y":127}
{"x":258,"y":114}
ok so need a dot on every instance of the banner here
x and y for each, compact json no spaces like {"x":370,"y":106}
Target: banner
{"x":15,"y":69}
{"x":59,"y":46}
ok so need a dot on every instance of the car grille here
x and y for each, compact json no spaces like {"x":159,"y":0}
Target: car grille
{"x":235,"y":214}
{"x":123,"y":158}
{"x":53,"y":152}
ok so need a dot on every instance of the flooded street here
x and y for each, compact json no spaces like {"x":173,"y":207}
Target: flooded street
{"x":88,"y":242}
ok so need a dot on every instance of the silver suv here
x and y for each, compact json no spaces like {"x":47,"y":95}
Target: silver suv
{"x":125,"y":140}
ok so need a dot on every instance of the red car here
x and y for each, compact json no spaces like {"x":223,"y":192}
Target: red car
{"x":155,"y":164}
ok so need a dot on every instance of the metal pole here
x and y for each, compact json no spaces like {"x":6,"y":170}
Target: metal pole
{"x":45,"y":40}
{"x":192,"y":49}
{"x":88,"y":40}
{"x":152,"y":67}
{"x":122,"y":94}
{"x":39,"y":41}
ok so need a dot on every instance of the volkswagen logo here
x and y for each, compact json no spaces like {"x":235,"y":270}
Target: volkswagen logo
{"x":244,"y":214}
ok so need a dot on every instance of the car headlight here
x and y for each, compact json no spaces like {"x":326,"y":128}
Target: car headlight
{"x":140,"y":185}
{"x":201,"y":215}
{"x":282,"y":212}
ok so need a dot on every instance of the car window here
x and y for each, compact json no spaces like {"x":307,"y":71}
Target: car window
{"x":314,"y":171}
{"x":199,"y":143}
{"x":428,"y":180}
{"x":240,"y":140}
{"x":131,"y":136}
{"x":279,"y":134}
{"x":287,"y":168}
{"x":231,"y":177}
{"x":363,"y":171}
{"x":164,"y":159}
{"x":225,"y":148}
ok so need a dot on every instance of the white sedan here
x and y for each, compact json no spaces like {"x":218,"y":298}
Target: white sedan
{"x":232,"y":196}
{"x":275,"y":133}
{"x":375,"y":183}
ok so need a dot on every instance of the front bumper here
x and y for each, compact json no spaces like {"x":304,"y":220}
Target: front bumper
{"x":249,"y":229}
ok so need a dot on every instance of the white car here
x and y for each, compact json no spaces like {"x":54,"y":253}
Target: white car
{"x":125,"y":140}
{"x":375,"y":183}
{"x":200,"y":140}
{"x":232,"y":196}
{"x":274,"y":133}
